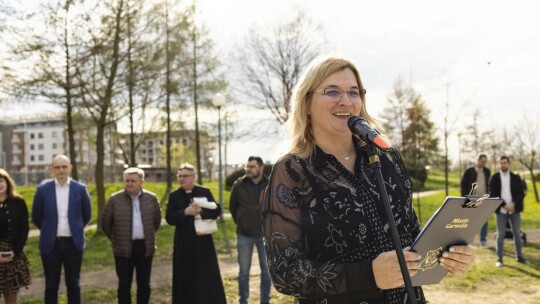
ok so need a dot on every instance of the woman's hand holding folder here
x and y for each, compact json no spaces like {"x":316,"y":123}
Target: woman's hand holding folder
{"x":458,"y":259}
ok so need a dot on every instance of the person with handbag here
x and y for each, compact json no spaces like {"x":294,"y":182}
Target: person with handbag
{"x":130,"y":220}
{"x":14,"y":271}
{"x":196,"y":274}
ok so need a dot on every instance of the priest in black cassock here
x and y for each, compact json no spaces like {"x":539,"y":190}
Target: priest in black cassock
{"x":196,"y":276}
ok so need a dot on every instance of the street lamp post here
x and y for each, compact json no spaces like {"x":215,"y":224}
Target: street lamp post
{"x":219,"y":101}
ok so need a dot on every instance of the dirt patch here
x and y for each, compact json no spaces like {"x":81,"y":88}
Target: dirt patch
{"x":162,"y":274}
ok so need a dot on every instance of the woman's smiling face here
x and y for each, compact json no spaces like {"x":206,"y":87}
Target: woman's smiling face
{"x":329,"y":112}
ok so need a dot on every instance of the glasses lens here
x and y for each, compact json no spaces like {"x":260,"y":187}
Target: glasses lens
{"x":354,"y":95}
{"x":333,"y":94}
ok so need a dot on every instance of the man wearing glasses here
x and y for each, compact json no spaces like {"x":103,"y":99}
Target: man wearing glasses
{"x":61,"y":210}
{"x":130,"y":220}
{"x":196,"y":275}
{"x":245,"y":206}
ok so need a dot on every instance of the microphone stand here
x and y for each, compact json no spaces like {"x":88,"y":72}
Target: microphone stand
{"x":376,"y":164}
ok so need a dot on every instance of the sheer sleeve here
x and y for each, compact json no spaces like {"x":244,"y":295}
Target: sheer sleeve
{"x":295,"y":270}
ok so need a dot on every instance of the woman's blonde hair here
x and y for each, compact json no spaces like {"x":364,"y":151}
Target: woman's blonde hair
{"x":298,"y":124}
{"x":11,"y":191}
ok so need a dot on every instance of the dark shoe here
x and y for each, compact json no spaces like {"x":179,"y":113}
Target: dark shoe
{"x":523,"y":261}
{"x":499,"y":263}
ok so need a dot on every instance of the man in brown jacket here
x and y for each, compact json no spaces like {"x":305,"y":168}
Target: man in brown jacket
{"x":130,"y":220}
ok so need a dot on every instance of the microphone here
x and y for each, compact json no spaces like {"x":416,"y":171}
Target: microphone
{"x":359,"y":126}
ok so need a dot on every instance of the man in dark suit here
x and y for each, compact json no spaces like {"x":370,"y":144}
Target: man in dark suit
{"x":61,"y":210}
{"x":478,"y":174}
{"x":507,"y":185}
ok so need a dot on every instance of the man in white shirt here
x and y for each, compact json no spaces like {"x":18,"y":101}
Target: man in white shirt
{"x":507,"y":185}
{"x":130,"y":220}
{"x":61,"y":210}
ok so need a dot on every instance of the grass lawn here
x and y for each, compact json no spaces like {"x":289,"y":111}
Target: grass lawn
{"x":483,"y":279}
{"x":158,"y":188}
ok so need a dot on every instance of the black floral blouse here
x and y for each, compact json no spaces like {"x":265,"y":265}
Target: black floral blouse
{"x":324,"y":225}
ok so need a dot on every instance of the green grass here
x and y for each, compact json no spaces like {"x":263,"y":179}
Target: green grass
{"x":435,"y":180}
{"x":158,"y":188}
{"x":483,"y":277}
{"x":530,"y":218}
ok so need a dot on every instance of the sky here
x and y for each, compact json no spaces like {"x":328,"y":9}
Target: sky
{"x":484,"y":54}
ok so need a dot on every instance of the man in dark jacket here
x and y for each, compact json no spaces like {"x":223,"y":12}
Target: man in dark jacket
{"x":130,"y":220}
{"x":245,"y":206}
{"x":507,"y":185}
{"x":478,"y":174}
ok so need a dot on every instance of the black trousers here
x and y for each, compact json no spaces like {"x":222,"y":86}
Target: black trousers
{"x":64,"y":252}
{"x":124,"y":270}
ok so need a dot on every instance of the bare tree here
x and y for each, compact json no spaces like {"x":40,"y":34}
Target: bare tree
{"x":272,"y":60}
{"x":526,"y":146}
{"x":395,"y":114}
{"x":98,"y":76}
{"x":450,"y":120}
{"x":47,"y":52}
{"x":474,"y":140}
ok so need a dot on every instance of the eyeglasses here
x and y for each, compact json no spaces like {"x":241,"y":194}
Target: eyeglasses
{"x":335,"y":94}
{"x":184,"y":175}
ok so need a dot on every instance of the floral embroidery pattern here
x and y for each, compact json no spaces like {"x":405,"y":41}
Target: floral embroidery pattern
{"x":286,"y":197}
{"x":318,"y":217}
{"x":334,"y":239}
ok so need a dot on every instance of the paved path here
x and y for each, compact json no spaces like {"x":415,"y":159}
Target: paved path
{"x":161,"y":274}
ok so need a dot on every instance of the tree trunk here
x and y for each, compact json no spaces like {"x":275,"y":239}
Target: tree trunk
{"x":69,"y":104}
{"x":533,"y":181}
{"x":100,"y":187}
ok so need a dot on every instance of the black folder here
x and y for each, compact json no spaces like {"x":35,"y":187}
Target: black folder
{"x":456,"y":222}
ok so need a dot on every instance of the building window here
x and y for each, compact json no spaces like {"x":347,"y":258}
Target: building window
{"x":41,"y":157}
{"x":54,"y":145}
{"x":31,"y":147}
{"x":40,"y":135}
{"x":32,"y":158}
{"x":31,"y":135}
{"x":54,"y":134}
{"x":40,"y":147}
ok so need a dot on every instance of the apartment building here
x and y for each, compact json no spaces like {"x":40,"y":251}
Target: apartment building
{"x":151,"y":151}
{"x":28,"y":145}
